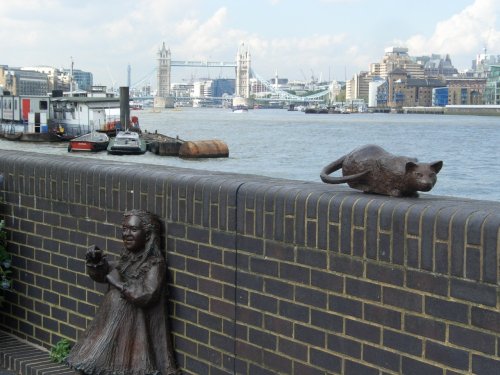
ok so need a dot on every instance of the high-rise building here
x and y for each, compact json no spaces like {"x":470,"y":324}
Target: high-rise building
{"x":397,"y":57}
{"x":377,"y":92}
{"x":223,"y":86}
{"x":202,"y":89}
{"x":440,"y":96}
{"x":60,"y":79}
{"x":437,"y":66}
{"x":357,"y":87}
{"x":492,"y":89}
{"x":256,"y":86}
{"x":83,"y":80}
{"x":481,"y":66}
{"x":23,"y":82}
{"x":53,"y":76}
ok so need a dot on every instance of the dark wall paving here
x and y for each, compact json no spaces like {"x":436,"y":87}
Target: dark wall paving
{"x":20,"y":358}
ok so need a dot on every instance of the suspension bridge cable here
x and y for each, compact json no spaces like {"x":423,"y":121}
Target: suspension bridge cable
{"x":145,"y":77}
{"x":286,"y":95}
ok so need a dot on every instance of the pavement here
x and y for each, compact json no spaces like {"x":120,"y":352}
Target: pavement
{"x":5,"y":371}
{"x":18,"y":357}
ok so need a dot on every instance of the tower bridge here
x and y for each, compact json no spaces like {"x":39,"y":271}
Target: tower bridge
{"x":204,"y":64}
{"x":244,"y":73}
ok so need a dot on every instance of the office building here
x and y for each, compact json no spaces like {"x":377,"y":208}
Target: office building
{"x":23,"y":82}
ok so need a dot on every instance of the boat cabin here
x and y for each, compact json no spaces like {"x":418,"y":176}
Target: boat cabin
{"x":80,"y":115}
{"x":27,"y":112}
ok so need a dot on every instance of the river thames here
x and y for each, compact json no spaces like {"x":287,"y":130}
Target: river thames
{"x":295,"y":145}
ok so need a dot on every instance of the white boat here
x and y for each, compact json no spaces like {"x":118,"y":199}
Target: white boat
{"x":127,"y":142}
{"x":240,"y":105}
{"x":240,"y":108}
{"x":136,"y":105}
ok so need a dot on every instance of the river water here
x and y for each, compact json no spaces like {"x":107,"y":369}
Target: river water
{"x":295,"y":145}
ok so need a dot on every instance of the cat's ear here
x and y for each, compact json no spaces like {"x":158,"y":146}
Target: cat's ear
{"x":436,"y":166}
{"x":410,"y":166}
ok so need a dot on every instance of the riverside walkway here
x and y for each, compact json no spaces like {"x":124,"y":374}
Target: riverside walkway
{"x":18,"y":357}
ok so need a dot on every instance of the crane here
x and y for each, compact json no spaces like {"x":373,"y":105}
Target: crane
{"x":112,"y":79}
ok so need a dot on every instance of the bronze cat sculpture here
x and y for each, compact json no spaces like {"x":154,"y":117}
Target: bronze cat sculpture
{"x":371,"y":169}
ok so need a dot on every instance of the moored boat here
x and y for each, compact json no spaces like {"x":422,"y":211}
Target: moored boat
{"x":136,"y":105}
{"x":91,"y":142}
{"x":127,"y":142}
{"x":12,"y":136}
{"x":240,"y":108}
{"x":38,"y":137}
{"x":316,"y":109}
{"x":74,"y":116}
{"x":13,"y":132}
{"x":161,"y":144}
{"x":240,"y":104}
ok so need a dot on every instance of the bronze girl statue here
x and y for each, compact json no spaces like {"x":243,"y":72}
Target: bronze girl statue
{"x":129,"y":334}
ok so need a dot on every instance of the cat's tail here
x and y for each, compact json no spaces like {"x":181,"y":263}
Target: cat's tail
{"x":335,"y":166}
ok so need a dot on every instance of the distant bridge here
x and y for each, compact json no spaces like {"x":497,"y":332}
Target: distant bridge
{"x":203,"y":64}
{"x":243,"y":75}
{"x":283,"y":95}
{"x":276,"y":93}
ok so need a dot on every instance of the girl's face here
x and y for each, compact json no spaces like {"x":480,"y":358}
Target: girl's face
{"x":134,"y":236}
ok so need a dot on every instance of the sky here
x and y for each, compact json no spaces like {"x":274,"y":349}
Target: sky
{"x":297,"y":39}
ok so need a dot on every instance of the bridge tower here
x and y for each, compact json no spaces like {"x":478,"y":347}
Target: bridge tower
{"x":163,"y":97}
{"x":243,"y":72}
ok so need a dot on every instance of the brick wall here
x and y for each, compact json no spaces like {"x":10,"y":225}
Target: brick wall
{"x":266,"y":276}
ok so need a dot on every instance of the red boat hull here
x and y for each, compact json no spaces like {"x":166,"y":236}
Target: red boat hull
{"x":87,"y":146}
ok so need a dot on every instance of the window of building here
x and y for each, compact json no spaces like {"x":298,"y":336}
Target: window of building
{"x":463,"y":96}
{"x":43,"y":104}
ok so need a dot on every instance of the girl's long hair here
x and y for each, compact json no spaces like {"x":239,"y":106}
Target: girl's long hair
{"x":151,"y":225}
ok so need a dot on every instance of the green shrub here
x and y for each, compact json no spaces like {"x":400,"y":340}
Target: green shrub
{"x":5,"y":261}
{"x":60,"y":351}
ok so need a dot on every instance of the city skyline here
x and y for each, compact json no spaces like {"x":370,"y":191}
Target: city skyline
{"x":329,"y":39}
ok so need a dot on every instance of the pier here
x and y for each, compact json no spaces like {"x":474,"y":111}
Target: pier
{"x":424,"y":110}
{"x":477,"y":110}
{"x":480,"y":110}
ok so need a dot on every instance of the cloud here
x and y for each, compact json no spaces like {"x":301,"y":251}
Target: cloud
{"x":461,"y":34}
{"x":106,"y":36}
{"x":201,"y":39}
{"x":212,"y":39}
